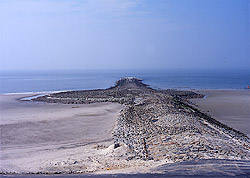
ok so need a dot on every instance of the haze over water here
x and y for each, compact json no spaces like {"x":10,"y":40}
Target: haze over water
{"x":124,"y":34}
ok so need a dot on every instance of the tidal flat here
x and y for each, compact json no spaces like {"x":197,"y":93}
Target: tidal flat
{"x":128,"y":128}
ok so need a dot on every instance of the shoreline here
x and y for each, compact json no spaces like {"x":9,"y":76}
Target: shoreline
{"x":157,"y":88}
{"x":75,"y":155}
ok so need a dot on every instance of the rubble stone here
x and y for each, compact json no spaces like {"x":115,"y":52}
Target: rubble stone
{"x":160,"y":124}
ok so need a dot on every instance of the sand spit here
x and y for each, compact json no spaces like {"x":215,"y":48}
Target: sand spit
{"x":154,"y":127}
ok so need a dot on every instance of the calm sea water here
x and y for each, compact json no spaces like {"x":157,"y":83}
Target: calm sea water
{"x":43,"y":81}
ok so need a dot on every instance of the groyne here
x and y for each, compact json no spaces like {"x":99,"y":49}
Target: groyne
{"x":161,"y":124}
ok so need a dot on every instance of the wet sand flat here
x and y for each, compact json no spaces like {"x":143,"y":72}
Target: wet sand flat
{"x":65,"y":138}
{"x":31,"y":131}
{"x":231,"y":107}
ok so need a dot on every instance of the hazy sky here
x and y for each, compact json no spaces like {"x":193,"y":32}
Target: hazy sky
{"x":123,"y":34}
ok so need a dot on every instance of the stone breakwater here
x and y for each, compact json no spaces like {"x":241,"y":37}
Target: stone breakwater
{"x":161,"y":125}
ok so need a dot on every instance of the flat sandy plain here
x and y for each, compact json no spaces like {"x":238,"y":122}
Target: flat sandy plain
{"x":40,"y":136}
{"x":231,"y":107}
{"x":36,"y":135}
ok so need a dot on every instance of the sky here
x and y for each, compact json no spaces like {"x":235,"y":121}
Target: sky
{"x":124,"y":34}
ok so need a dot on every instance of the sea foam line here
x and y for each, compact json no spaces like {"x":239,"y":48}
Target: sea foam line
{"x":34,"y":93}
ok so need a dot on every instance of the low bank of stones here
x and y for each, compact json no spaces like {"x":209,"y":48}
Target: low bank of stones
{"x":161,"y":125}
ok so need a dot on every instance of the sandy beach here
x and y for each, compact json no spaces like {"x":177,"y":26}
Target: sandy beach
{"x":35,"y":135}
{"x":41,"y":137}
{"x":231,"y":107}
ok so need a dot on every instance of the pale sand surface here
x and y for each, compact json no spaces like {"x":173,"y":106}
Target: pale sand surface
{"x":36,"y":136}
{"x":45,"y":137}
{"x":231,"y":107}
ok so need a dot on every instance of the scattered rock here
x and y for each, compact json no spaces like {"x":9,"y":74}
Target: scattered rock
{"x":160,"y":124}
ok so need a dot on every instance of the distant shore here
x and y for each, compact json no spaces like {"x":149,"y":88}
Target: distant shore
{"x":78,"y":138}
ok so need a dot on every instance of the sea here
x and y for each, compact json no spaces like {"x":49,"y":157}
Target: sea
{"x":70,"y":80}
